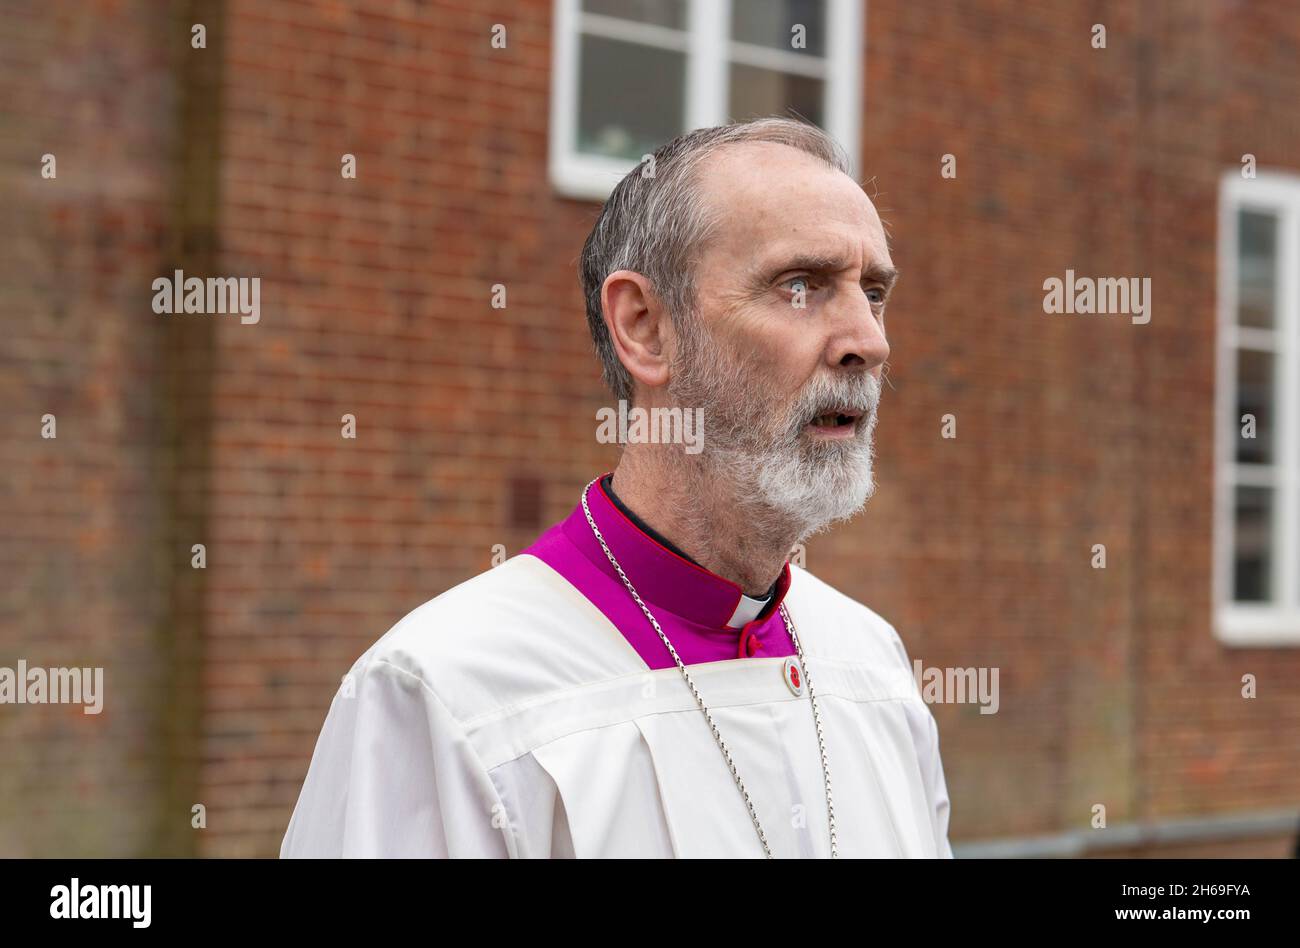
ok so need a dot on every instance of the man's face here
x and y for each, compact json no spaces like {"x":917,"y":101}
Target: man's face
{"x":790,"y":299}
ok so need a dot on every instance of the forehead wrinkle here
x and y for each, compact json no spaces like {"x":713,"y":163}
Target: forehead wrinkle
{"x":794,"y":258}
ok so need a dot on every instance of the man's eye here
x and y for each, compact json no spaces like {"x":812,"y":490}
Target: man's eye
{"x":794,"y":282}
{"x":876,"y":295}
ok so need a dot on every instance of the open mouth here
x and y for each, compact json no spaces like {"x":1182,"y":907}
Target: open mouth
{"x":835,"y":421}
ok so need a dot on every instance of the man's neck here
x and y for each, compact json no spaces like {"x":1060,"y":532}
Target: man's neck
{"x":705,"y":518}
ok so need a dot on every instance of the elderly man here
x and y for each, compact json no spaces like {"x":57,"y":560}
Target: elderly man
{"x":653,"y":677}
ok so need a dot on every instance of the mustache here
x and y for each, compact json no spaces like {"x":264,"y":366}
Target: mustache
{"x":859,"y":394}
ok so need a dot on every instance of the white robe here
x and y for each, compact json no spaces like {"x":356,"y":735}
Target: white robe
{"x":508,"y":717}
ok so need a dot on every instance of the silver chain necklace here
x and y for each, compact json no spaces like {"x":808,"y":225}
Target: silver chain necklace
{"x":803,"y":665}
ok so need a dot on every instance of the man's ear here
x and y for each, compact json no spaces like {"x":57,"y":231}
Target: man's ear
{"x":638,"y":324}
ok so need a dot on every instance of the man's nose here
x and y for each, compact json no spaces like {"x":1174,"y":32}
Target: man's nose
{"x":859,"y":340}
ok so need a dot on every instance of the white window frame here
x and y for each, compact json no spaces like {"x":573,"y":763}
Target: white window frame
{"x":1244,"y":623}
{"x":709,"y":51}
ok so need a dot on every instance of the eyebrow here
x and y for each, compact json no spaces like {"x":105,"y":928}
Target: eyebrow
{"x":824,"y":263}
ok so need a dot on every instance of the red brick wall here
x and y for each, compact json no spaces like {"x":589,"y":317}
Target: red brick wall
{"x":1072,"y":431}
{"x":376,"y":301}
{"x":83,"y":585}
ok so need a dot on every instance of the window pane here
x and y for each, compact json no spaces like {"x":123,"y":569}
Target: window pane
{"x":1253,"y":545}
{"x":760,"y":92}
{"x":1255,"y":396}
{"x":659,"y":12}
{"x":632,"y":98}
{"x":1256,"y":268}
{"x":771,"y":23}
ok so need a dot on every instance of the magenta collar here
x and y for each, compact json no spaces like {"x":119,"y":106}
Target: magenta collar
{"x":692,"y":604}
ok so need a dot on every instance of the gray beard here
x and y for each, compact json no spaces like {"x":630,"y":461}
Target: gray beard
{"x":782,"y":478}
{"x":816,"y":488}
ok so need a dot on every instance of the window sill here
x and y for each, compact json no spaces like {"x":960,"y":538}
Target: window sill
{"x":1258,"y":628}
{"x":586,"y":177}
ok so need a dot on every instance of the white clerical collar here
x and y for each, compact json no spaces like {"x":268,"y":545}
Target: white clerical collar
{"x":746,"y":610}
